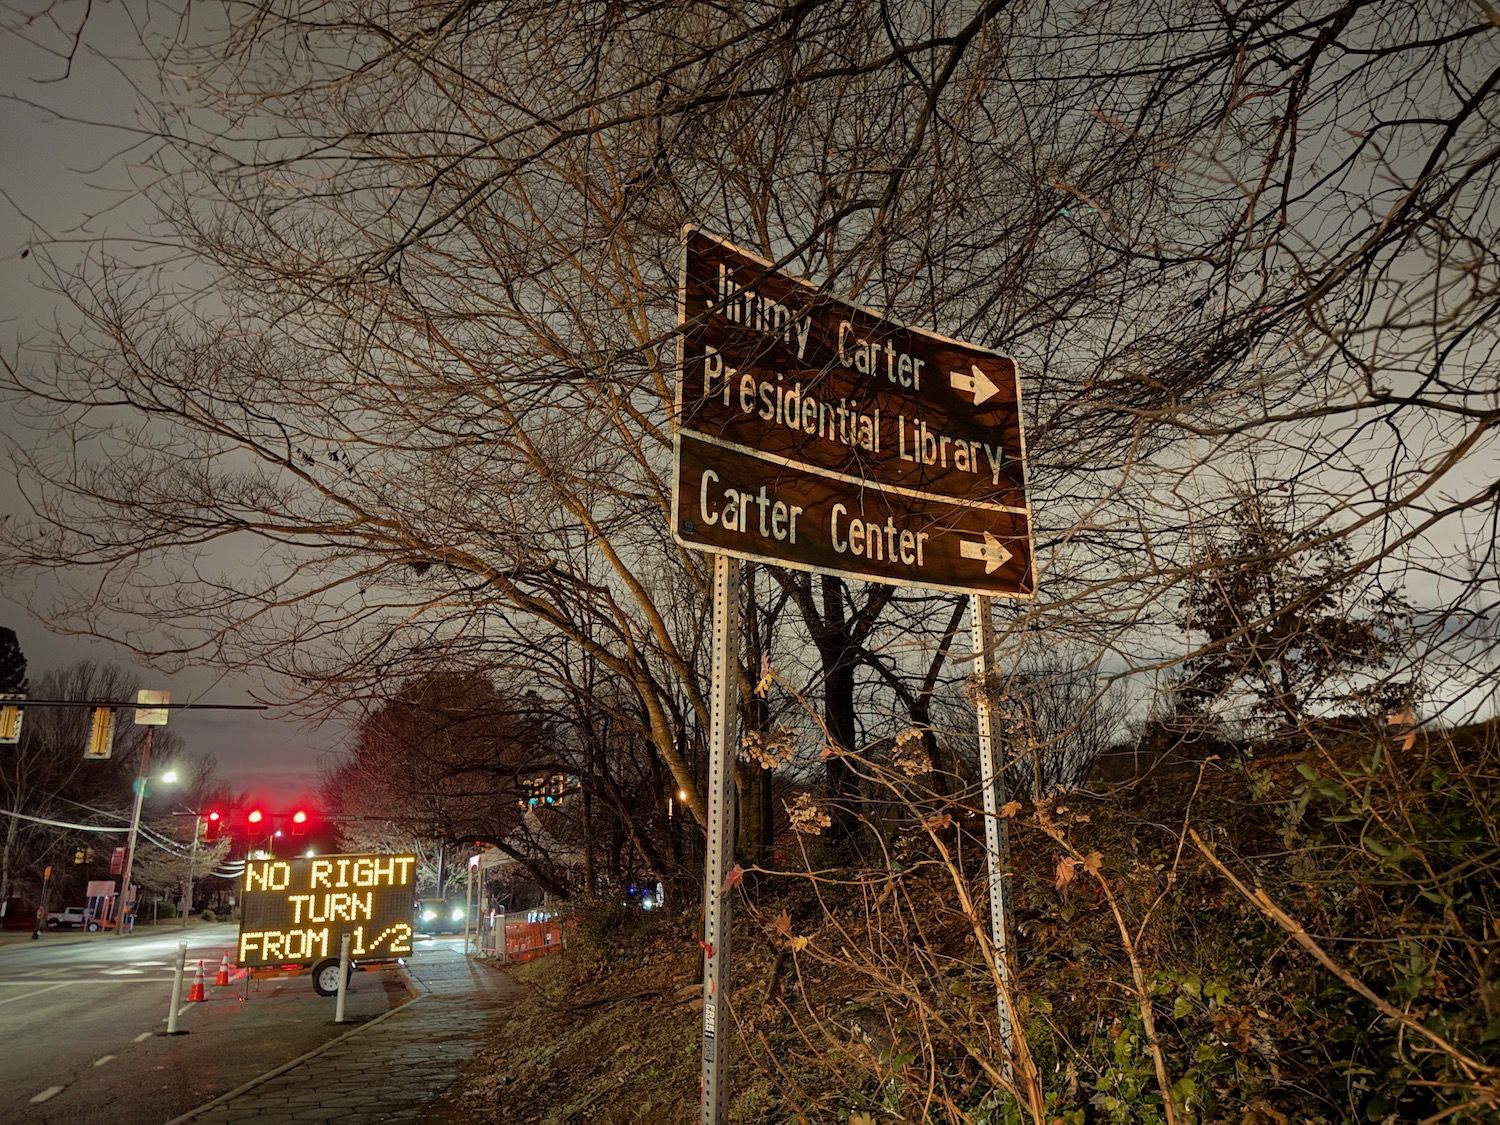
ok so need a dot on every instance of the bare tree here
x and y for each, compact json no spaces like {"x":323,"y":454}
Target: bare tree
{"x":46,"y":783}
{"x":421,"y":369}
{"x":1061,"y":713}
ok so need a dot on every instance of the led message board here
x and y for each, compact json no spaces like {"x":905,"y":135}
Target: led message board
{"x":297,"y":910}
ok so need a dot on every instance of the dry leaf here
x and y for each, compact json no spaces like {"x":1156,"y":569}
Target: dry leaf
{"x":1010,"y":809}
{"x":736,"y":873}
{"x":799,"y":943}
{"x":1064,"y":872}
{"x":783,"y":923}
{"x":1092,"y":862}
{"x":766,"y":676}
{"x":938,"y":823}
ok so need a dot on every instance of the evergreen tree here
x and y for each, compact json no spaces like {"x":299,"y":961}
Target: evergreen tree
{"x":12,"y":662}
{"x":1290,"y":635}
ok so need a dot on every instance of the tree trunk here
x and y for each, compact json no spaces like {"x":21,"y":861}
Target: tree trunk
{"x":753,"y":781}
{"x":6,"y":855}
{"x":837,"y":650}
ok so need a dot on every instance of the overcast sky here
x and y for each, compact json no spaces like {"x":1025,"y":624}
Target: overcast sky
{"x":62,"y":186}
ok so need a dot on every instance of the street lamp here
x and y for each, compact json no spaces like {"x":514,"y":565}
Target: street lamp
{"x":135,"y":823}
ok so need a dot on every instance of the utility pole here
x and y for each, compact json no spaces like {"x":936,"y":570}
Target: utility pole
{"x":135,"y":823}
{"x":187,"y":898}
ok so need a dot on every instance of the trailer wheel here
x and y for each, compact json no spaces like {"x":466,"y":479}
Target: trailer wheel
{"x":93,"y":927}
{"x":325,"y":976}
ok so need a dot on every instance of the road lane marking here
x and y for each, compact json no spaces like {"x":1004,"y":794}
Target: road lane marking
{"x":103,"y":1060}
{"x":49,"y":1092}
{"x":29,"y":995}
{"x":88,"y":980}
{"x":143,"y":1036}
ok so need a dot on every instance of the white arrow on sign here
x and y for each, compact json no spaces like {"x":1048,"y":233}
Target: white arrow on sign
{"x":990,"y":552}
{"x":977,"y":383}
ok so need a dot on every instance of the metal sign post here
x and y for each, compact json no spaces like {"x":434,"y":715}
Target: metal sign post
{"x":338,"y":1006}
{"x":717,"y":905}
{"x":996,"y":835}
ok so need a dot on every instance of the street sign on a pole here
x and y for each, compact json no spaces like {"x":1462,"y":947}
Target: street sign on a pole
{"x":815,"y":434}
{"x":818,"y":435}
{"x":151,"y":707}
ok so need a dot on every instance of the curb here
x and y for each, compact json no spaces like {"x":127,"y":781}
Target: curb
{"x":246,"y":1087}
{"x":413,"y":989}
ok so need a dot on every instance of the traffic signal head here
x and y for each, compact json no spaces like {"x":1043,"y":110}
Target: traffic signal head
{"x":299,"y":823}
{"x":212,"y":823}
{"x":101,"y":733}
{"x":10,"y":717}
{"x":256,"y":816}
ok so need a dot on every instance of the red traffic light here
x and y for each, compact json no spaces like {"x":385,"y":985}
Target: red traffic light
{"x":211,"y":826}
{"x":299,"y":822}
{"x":256,"y":816}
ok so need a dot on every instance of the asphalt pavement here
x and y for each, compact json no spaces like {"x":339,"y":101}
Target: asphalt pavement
{"x":387,"y":1069}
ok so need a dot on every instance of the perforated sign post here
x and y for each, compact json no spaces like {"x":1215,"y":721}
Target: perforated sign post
{"x":815,"y":434}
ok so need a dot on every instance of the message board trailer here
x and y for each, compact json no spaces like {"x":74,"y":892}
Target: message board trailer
{"x":296,"y":911}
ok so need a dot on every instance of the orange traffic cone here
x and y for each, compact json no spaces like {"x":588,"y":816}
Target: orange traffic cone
{"x":223,"y":977}
{"x":196,"y":992}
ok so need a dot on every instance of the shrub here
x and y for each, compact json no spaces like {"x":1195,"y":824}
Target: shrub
{"x":612,"y":929}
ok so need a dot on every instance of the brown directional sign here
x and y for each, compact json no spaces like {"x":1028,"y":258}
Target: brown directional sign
{"x":815,"y":434}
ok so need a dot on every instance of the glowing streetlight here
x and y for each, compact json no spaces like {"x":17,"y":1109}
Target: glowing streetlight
{"x":135,"y":823}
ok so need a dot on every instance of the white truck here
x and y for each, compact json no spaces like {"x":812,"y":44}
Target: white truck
{"x":71,"y":916}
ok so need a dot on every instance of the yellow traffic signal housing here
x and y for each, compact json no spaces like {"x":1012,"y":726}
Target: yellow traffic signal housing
{"x":10,"y":718}
{"x":101,"y":733}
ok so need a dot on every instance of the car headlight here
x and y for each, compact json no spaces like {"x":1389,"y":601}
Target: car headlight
{"x":428,"y":915}
{"x":458,"y":915}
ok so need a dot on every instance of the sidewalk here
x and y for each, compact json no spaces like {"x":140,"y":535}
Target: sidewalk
{"x":389,"y":1069}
